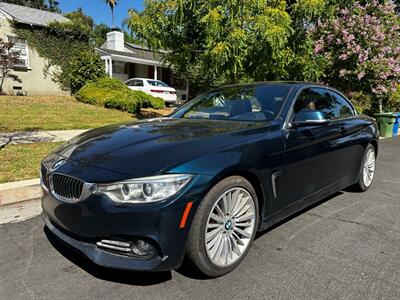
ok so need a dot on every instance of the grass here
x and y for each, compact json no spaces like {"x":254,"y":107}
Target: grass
{"x":19,"y":162}
{"x":54,"y":113}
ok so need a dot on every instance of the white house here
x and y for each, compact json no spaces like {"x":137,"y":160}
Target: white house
{"x":31,"y":64}
{"x":124,"y":60}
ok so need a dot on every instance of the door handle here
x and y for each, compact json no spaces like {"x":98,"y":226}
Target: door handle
{"x":343,"y":130}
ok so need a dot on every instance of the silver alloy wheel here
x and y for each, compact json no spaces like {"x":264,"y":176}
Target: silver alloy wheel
{"x":369,"y":167}
{"x":230,"y":227}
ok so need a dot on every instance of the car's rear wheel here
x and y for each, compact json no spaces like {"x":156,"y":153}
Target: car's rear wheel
{"x":224,"y":227}
{"x":367,"y":171}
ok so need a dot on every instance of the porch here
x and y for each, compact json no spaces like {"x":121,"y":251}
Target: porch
{"x":125,"y":65}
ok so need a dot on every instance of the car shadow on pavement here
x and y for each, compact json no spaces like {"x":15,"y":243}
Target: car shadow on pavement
{"x":187,"y":270}
{"x":119,"y":276}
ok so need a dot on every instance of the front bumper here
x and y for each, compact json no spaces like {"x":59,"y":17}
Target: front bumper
{"x":102,"y":257}
{"x":81,"y":225}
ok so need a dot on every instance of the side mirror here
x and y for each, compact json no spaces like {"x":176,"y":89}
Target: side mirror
{"x":309,"y":117}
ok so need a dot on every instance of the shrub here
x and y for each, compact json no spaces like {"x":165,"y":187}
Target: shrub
{"x":361,"y":102}
{"x":150,"y":101}
{"x":83,"y":68}
{"x":112,"y":93}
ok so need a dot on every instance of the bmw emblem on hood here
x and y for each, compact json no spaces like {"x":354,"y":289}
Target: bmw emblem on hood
{"x":57,"y":164}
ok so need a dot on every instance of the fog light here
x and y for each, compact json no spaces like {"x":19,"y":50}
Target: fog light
{"x":134,"y":248}
{"x":142,"y":248}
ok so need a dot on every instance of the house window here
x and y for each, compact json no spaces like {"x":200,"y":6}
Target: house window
{"x":20,"y":46}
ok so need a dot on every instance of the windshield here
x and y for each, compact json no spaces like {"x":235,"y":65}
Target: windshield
{"x":157,"y":83}
{"x":242,"y":103}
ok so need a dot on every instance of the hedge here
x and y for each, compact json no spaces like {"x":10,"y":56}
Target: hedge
{"x":112,"y":93}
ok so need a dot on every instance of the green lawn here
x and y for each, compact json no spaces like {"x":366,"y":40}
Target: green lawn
{"x":19,"y":162}
{"x":53,"y":113}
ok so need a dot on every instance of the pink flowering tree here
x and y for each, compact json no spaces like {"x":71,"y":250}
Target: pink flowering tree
{"x":361,"y":51}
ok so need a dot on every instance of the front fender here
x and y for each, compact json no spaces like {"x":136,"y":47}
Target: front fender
{"x":255,"y":160}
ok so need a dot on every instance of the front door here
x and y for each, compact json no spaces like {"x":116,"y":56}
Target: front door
{"x":311,"y":154}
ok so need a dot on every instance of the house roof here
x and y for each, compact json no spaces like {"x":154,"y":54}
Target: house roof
{"x":137,"y":52}
{"x":28,"y":15}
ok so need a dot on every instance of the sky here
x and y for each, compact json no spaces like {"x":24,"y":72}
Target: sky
{"x":100,"y":11}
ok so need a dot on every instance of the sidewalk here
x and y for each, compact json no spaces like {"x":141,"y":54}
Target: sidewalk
{"x":28,"y":137}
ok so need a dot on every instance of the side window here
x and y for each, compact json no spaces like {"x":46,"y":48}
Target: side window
{"x":135,"y":82}
{"x":343,"y":107}
{"x":21,"y":47}
{"x":316,"y":99}
{"x":138,"y":82}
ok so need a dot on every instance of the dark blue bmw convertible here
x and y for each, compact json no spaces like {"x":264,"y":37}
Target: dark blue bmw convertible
{"x":201,"y":182}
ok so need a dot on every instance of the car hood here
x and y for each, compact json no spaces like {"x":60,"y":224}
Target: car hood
{"x":150,"y":147}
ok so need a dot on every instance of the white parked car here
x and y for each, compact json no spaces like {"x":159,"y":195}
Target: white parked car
{"x":153,"y":87}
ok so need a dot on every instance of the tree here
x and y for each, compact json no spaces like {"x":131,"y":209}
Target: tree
{"x":111,"y":4}
{"x":361,"y":50}
{"x":8,"y":59}
{"x":99,"y":34}
{"x":79,"y":16}
{"x":306,"y":14}
{"x":50,"y":5}
{"x":129,"y":35}
{"x":214,"y":42}
{"x":96,"y":32}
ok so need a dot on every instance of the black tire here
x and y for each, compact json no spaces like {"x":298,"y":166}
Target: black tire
{"x":196,"y":250}
{"x":361,"y":186}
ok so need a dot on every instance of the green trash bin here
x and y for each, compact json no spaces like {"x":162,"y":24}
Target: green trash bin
{"x":385,"y":124}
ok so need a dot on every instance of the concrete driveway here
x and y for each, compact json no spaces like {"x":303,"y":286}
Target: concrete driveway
{"x":346,"y":247}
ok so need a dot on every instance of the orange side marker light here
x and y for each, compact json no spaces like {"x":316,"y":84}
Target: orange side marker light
{"x":185,"y":214}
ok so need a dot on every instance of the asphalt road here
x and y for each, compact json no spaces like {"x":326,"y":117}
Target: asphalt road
{"x":346,"y":247}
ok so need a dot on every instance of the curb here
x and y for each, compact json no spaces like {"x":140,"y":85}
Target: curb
{"x":19,"y":191}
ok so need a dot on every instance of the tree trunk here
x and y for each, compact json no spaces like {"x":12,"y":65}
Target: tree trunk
{"x":1,"y":85}
{"x":380,"y":105}
{"x":233,"y":78}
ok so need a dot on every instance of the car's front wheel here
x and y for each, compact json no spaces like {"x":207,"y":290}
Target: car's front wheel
{"x":367,"y":170}
{"x":224,"y":227}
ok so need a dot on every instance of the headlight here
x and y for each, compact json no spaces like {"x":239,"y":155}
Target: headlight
{"x":142,"y":190}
